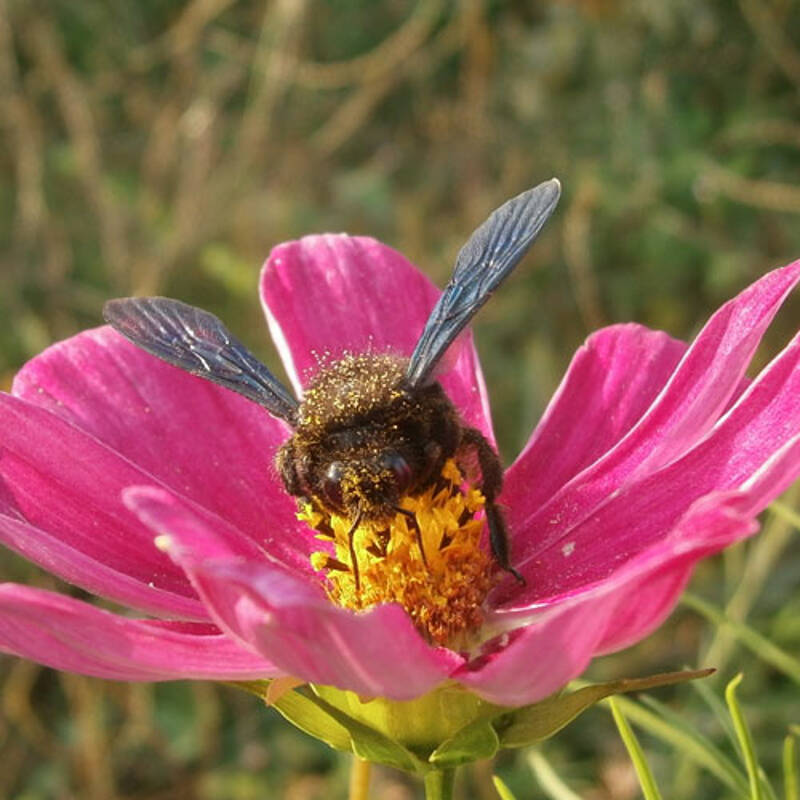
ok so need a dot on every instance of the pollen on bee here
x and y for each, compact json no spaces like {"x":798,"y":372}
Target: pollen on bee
{"x":430,"y":561}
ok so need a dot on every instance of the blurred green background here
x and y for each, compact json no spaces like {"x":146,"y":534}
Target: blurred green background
{"x":164,"y":146}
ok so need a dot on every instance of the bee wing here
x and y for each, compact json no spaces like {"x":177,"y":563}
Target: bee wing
{"x":489,"y":255}
{"x":198,"y":342}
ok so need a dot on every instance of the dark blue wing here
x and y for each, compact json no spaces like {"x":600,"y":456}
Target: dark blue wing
{"x":492,"y":251}
{"x":199,"y":343}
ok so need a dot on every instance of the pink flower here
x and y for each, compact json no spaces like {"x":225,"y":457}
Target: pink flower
{"x":652,"y":455}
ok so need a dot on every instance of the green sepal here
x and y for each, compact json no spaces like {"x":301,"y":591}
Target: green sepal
{"x":371,"y":745}
{"x":491,"y":728}
{"x":318,"y":718}
{"x":304,"y":713}
{"x":473,"y":742}
{"x":542,"y":720}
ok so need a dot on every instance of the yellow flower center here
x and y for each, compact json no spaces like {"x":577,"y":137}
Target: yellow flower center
{"x":429,"y":560}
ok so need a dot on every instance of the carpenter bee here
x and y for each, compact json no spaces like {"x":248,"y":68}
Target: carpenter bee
{"x":372,"y":428}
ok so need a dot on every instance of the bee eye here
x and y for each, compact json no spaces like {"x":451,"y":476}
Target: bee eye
{"x":399,"y":468}
{"x":332,"y":484}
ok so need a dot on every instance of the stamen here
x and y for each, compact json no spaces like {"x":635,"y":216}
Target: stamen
{"x":411,"y":516}
{"x":428,"y":558}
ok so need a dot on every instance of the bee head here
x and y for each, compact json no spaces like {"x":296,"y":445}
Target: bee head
{"x":374,"y":483}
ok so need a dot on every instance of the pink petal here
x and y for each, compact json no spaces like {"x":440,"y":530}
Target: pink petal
{"x":207,"y":443}
{"x":68,"y":634}
{"x":698,"y":391}
{"x":560,"y":639}
{"x":81,"y":568}
{"x":58,"y":481}
{"x":324,"y":295}
{"x":643,"y":605}
{"x":610,"y":383}
{"x":375,"y":653}
{"x":290,"y":621}
{"x":648,"y":586}
{"x":541,"y":658}
{"x":754,"y":448}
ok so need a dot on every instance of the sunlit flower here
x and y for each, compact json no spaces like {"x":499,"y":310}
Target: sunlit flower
{"x":158,"y":491}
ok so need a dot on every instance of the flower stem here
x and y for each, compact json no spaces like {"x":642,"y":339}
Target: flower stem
{"x":359,"y":779}
{"x":439,"y":784}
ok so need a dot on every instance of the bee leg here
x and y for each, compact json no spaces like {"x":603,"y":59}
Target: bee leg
{"x":491,"y":484}
{"x":291,"y":469}
{"x":498,"y":539}
{"x":412,"y":518}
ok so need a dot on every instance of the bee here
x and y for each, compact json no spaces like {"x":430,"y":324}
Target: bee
{"x":371,"y":428}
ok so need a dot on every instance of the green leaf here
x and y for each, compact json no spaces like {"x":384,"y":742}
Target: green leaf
{"x":670,"y":728}
{"x":765,"y":649}
{"x":541,"y":720}
{"x":713,"y":701}
{"x":646,"y":779}
{"x":745,"y":738}
{"x":501,"y":788}
{"x":786,"y":513}
{"x":678,"y":723}
{"x":720,"y":711}
{"x":548,"y":778}
{"x":473,"y":742}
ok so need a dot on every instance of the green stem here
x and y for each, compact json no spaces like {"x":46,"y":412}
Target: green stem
{"x":790,"y":781}
{"x":439,"y":784}
{"x":359,"y":779}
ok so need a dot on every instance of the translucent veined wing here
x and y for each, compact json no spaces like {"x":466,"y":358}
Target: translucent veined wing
{"x":198,"y":342}
{"x":492,"y":251}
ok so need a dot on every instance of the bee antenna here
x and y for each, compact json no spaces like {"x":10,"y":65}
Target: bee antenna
{"x":350,"y":536}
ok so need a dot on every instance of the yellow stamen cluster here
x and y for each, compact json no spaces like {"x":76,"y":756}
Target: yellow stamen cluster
{"x":432,"y":564}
